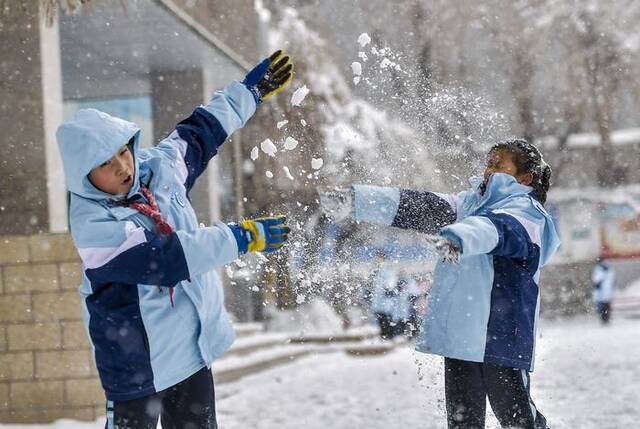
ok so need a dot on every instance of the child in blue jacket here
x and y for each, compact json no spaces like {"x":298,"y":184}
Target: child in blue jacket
{"x":152,"y":300}
{"x":482,"y":310}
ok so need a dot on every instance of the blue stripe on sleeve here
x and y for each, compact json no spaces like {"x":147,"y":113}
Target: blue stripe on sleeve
{"x":160,"y":261}
{"x":423,"y":211}
{"x":513,"y":238}
{"x":204,"y":134}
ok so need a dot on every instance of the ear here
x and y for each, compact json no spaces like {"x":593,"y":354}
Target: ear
{"x":525,"y":179}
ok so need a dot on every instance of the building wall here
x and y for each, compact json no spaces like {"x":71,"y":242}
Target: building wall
{"x":23,"y":195}
{"x":47,"y":369}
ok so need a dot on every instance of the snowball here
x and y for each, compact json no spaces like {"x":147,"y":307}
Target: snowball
{"x":299,"y":95}
{"x":363,"y":56}
{"x":282,"y":124}
{"x":290,"y":143}
{"x":316,"y":163}
{"x":385,"y":63}
{"x":364,"y":39}
{"x":356,"y":80}
{"x":287,"y":172}
{"x":268,"y":174}
{"x":255,"y":288}
{"x":356,"y":67}
{"x":254,"y":153}
{"x":303,"y":122}
{"x":268,"y":147}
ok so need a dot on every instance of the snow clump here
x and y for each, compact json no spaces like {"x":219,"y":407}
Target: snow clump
{"x":299,"y":95}
{"x":268,"y":147}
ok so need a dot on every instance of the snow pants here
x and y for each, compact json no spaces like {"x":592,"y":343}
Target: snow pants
{"x":604,"y":311}
{"x":189,"y":404}
{"x":468,"y":384}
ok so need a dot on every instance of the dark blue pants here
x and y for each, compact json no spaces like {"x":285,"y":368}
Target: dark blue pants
{"x":189,"y":404}
{"x":469,"y":384}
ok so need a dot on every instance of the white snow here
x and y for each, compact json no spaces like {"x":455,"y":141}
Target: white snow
{"x":269,"y":174}
{"x":316,"y":163}
{"x":586,"y":377}
{"x":356,"y":67}
{"x":268,"y":147}
{"x":299,"y":95}
{"x":254,"y":153}
{"x":290,"y":143}
{"x":364,"y":39}
{"x":287,"y":172}
{"x":282,"y":124}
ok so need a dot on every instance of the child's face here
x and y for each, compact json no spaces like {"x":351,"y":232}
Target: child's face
{"x":115,"y":176}
{"x":501,"y":161}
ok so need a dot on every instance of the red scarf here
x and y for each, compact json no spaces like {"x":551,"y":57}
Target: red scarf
{"x":152,"y":210}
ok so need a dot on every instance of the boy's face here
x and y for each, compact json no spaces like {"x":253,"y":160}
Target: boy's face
{"x":501,"y":161}
{"x":115,"y":176}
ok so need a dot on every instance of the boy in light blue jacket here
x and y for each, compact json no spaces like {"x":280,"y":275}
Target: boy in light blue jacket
{"x":152,"y":300}
{"x":482,"y":310}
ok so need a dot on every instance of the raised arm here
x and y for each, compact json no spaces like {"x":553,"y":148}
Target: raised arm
{"x":197,"y":138}
{"x":418,"y":210}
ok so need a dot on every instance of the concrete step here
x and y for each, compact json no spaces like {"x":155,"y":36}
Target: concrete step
{"x":246,"y":329}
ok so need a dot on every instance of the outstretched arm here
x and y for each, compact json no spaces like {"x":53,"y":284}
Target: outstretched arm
{"x":500,"y":233}
{"x":418,"y":210}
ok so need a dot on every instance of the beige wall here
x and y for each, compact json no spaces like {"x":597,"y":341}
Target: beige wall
{"x":23,"y":195}
{"x":47,"y":369}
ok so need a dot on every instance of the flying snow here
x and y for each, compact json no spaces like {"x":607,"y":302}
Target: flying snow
{"x":268,"y":147}
{"x":299,"y":95}
{"x":254,"y":153}
{"x":356,"y":67}
{"x":290,"y":143}
{"x":281,"y":124}
{"x":287,"y":172}
{"x":364,"y":39}
{"x":316,"y":163}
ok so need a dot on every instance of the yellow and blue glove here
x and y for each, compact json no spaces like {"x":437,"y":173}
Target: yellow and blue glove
{"x":265,"y":234}
{"x":270,"y":76}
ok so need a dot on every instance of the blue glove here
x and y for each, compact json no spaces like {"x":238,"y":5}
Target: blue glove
{"x":269,"y":77}
{"x":266,"y":234}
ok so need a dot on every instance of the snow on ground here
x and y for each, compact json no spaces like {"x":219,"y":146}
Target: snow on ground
{"x":587,"y":377}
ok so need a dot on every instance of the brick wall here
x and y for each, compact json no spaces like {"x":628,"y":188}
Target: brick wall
{"x":46,"y":365}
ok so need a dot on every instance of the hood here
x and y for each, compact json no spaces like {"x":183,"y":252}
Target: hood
{"x":504,"y":192}
{"x":88,"y":139}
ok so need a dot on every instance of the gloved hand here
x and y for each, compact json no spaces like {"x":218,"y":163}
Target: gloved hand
{"x":447,"y":250}
{"x":337,"y":203}
{"x":265,"y":234}
{"x":270,"y":76}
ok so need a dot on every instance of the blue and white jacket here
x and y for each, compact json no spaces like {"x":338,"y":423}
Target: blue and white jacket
{"x":604,"y":280}
{"x":141,"y":343}
{"x":485,"y":308}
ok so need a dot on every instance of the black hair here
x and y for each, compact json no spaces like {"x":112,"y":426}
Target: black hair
{"x":528,"y":159}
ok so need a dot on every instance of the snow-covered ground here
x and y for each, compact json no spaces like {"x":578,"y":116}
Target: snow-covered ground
{"x":587,"y":376}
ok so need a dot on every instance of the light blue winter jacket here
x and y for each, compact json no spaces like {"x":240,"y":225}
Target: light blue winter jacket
{"x":603,"y":277}
{"x":485,"y":308}
{"x":141,"y":343}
